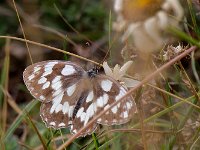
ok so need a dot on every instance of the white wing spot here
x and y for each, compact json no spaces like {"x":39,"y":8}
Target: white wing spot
{"x":56,"y":85}
{"x":65,"y":108}
{"x":80,"y":111}
{"x":56,"y":79}
{"x":122,"y":92}
{"x":51,"y":63}
{"x":91,"y":110}
{"x":103,"y":100}
{"x":57,"y":92}
{"x":125,"y":114}
{"x":70,"y":112}
{"x":42,"y":80}
{"x":83,"y":116}
{"x":62,"y":124}
{"x":106,"y":85}
{"x":128,"y":105}
{"x":100,"y":102}
{"x":74,"y":131}
{"x":68,"y":70}
{"x":71,"y":89}
{"x":48,"y":68}
{"x":42,"y":97}
{"x":52,"y":123}
{"x":36,"y":69}
{"x":46,"y":85}
{"x":31,"y":77}
{"x":90,"y":97}
{"x":56,"y":101}
{"x":86,"y":119}
{"x":114,"y":109}
{"x":58,"y":108}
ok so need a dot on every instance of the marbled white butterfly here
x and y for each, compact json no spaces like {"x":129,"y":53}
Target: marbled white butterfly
{"x":71,"y":96}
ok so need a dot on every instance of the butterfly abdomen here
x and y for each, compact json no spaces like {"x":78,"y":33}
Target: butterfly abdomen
{"x":79,"y":103}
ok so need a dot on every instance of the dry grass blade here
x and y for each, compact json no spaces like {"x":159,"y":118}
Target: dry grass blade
{"x":4,"y":82}
{"x":53,"y":48}
{"x":137,"y":130}
{"x":175,"y":96}
{"x":11,"y":101}
{"x":22,"y":30}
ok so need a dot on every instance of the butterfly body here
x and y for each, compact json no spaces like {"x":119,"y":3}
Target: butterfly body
{"x":71,"y":96}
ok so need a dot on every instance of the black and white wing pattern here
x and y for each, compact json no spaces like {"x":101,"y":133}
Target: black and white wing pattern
{"x":71,"y":96}
{"x":58,"y":85}
{"x":108,"y":91}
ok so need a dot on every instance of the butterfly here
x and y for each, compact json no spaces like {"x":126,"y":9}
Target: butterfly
{"x":71,"y":97}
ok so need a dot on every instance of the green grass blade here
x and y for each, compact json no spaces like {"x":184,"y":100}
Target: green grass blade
{"x":37,"y":132}
{"x":182,"y":123}
{"x":193,"y":17}
{"x":106,"y":144}
{"x":95,"y":141}
{"x":167,"y":110}
{"x":19,"y":119}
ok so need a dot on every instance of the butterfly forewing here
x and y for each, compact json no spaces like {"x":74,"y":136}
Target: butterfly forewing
{"x":45,"y":80}
{"x":56,"y":84}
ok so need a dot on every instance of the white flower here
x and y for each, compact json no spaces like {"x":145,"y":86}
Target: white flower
{"x":147,"y":32}
{"x":118,"y":73}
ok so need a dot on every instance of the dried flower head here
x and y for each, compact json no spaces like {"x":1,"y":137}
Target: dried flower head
{"x":145,"y":21}
{"x":172,"y":52}
{"x":118,"y":73}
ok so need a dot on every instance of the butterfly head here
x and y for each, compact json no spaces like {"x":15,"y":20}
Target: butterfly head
{"x":93,"y":72}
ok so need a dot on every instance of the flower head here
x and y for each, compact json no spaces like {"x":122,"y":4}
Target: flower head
{"x":118,"y":73}
{"x":145,"y":21}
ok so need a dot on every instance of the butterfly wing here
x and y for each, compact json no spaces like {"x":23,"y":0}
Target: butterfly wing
{"x":59,"y":86}
{"x":84,"y":109}
{"x":102,"y":92}
{"x":108,"y":91}
{"x":71,"y":98}
{"x":47,"y":79}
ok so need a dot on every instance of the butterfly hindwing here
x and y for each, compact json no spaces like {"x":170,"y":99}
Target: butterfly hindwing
{"x":59,"y":98}
{"x":84,"y":112}
{"x":108,"y":91}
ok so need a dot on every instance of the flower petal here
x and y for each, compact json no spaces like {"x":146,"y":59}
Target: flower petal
{"x":107,"y":69}
{"x":116,"y":72}
{"x":124,"y":68}
{"x":130,"y":82}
